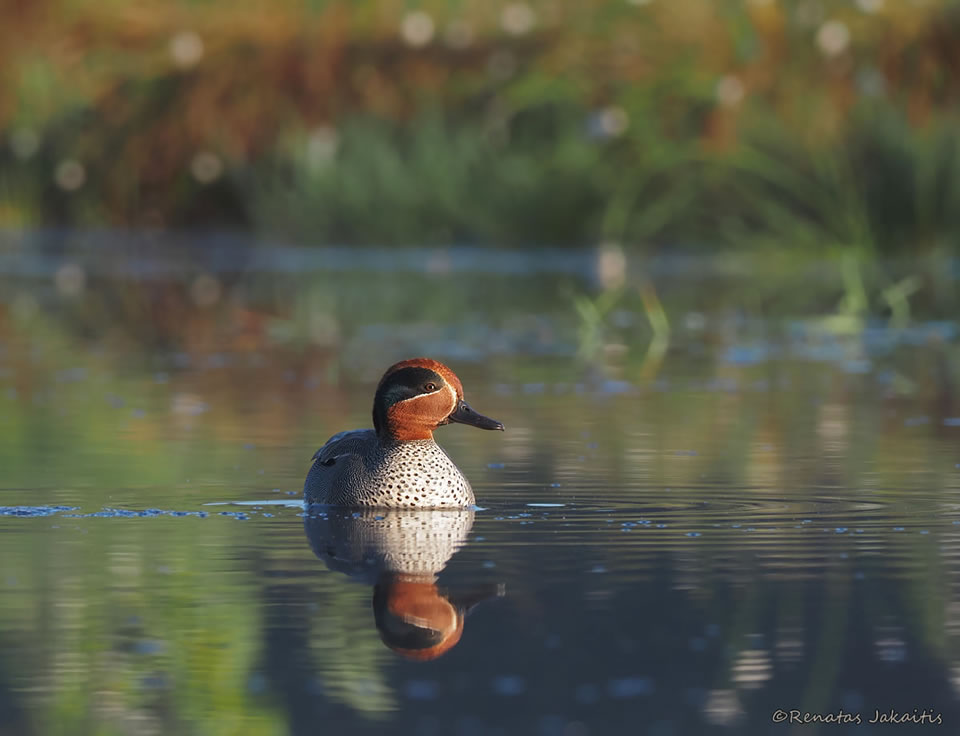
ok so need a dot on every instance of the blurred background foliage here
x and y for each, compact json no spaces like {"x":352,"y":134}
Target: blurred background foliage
{"x":816,"y":125}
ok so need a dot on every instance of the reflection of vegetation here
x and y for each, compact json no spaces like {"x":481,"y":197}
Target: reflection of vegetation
{"x":119,"y":630}
{"x":882,"y":189}
{"x":593,"y":314}
{"x":141,"y":623}
{"x":349,"y":658}
{"x":132,"y":425}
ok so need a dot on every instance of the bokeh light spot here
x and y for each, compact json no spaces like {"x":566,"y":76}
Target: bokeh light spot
{"x":730,"y":90}
{"x":870,"y":6}
{"x":517,"y":19}
{"x":186,"y":49}
{"x":417,"y":28}
{"x":613,"y":121}
{"x":206,"y":167}
{"x":833,"y":38}
{"x":322,"y":145}
{"x":70,"y":175}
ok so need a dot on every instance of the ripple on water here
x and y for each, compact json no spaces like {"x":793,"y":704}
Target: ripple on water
{"x":797,"y":532}
{"x":34,"y":511}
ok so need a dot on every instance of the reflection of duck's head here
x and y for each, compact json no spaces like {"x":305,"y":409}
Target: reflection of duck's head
{"x":417,"y":620}
{"x":414,"y":619}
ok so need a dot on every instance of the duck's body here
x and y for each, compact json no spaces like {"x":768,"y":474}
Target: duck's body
{"x":356,"y":469}
{"x":397,"y":464}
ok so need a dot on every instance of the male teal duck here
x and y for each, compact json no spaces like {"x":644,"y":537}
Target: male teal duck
{"x":397,"y":464}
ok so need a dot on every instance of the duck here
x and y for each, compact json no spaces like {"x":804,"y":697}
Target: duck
{"x":397,"y":464}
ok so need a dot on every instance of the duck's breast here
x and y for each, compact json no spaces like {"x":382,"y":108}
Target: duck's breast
{"x":355,"y":469}
{"x":420,"y":474}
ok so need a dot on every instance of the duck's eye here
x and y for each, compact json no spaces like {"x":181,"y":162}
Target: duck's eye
{"x":430,"y":387}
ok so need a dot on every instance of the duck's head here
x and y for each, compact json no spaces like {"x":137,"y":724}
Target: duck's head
{"x":416,"y":396}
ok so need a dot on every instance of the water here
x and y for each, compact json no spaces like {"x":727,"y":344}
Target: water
{"x":763,"y":516}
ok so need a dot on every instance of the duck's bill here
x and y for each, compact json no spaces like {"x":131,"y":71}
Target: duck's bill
{"x":468,"y":600}
{"x":463,"y":414}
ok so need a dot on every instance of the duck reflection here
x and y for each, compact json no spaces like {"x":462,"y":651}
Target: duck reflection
{"x":400,"y":552}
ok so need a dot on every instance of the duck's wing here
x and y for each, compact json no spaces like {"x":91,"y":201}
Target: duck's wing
{"x":344,"y":444}
{"x":338,"y":465}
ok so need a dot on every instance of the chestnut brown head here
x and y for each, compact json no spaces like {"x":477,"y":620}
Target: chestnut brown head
{"x":416,"y":396}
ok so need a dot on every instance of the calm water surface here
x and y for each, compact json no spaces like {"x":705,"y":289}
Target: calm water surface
{"x":761,"y":514}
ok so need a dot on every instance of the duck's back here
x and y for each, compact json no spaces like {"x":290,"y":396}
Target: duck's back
{"x":355,"y":469}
